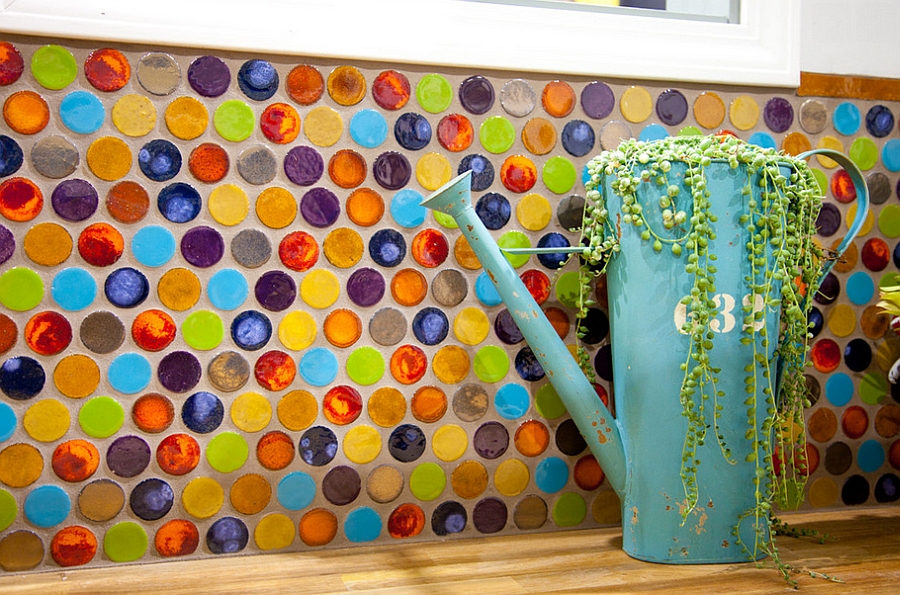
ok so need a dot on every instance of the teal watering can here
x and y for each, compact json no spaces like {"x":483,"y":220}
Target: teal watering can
{"x":640,"y":449}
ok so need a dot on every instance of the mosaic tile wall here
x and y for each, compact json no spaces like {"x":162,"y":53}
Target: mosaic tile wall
{"x":227,"y":325}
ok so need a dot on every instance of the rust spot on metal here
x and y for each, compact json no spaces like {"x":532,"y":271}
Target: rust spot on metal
{"x":634,"y":515}
{"x":710,"y":504}
{"x":470,"y":227}
{"x":700,"y":513}
{"x":491,"y":275}
{"x":601,"y":437}
{"x":700,"y":522}
{"x":725,"y":543}
{"x":593,"y":423}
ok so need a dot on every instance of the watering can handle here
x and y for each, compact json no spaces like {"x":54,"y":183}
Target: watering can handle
{"x":862,"y":201}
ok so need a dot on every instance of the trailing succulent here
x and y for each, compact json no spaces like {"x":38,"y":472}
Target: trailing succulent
{"x":781,"y":270}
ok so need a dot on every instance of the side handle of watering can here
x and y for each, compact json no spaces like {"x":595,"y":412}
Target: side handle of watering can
{"x":862,"y":211}
{"x":862,"y":201}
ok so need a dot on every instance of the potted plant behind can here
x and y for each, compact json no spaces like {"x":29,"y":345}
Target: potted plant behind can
{"x":707,"y":245}
{"x":889,"y":303}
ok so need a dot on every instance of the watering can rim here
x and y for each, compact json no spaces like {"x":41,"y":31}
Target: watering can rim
{"x":862,"y":193}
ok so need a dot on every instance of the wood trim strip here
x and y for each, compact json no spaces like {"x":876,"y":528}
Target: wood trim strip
{"x":849,"y":87}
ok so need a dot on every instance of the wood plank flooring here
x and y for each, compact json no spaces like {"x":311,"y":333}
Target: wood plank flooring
{"x":865,"y":554}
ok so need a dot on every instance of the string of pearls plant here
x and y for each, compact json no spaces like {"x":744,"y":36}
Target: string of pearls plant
{"x":781,"y":267}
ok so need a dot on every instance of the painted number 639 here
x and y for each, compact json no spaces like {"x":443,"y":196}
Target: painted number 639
{"x":725,"y":321}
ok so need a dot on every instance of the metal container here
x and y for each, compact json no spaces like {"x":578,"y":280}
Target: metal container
{"x":640,"y":450}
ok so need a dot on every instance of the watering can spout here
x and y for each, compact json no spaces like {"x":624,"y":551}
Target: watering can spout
{"x":593,"y":419}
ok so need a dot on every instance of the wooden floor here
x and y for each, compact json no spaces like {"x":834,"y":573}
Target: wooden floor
{"x":865,"y":554}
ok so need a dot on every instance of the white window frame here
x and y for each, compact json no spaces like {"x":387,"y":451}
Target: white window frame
{"x":762,"y":49}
